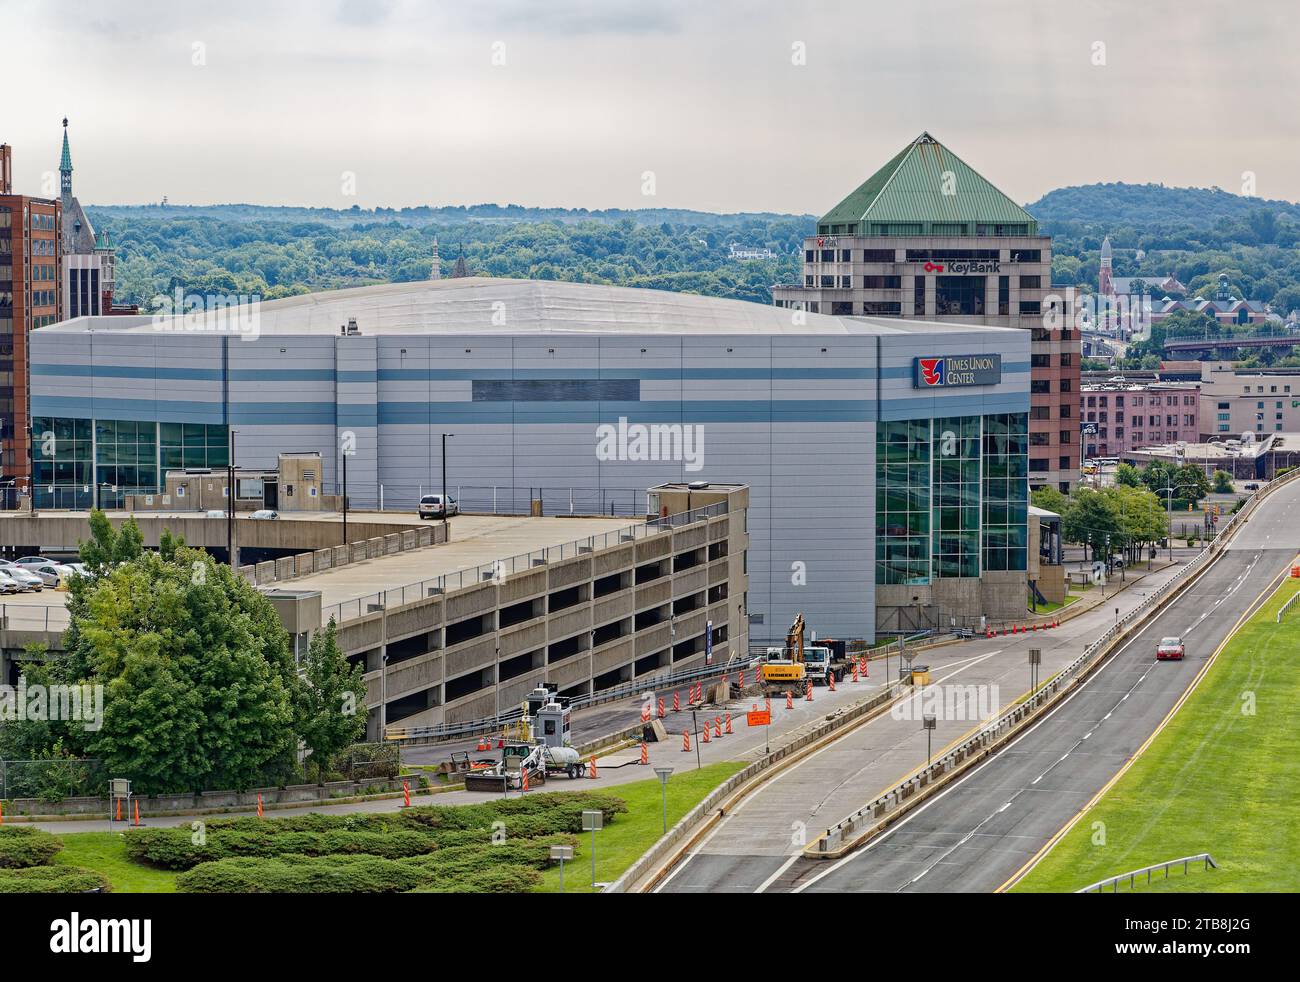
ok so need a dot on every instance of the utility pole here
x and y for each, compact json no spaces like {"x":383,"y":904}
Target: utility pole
{"x":230,"y":501}
{"x":444,"y":483}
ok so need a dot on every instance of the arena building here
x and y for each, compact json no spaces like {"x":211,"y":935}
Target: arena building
{"x":887,"y":459}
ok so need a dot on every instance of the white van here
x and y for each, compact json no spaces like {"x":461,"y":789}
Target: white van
{"x":431,"y":506}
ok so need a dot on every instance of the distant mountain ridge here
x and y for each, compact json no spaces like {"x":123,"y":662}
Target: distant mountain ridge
{"x":1102,"y":205}
{"x":442,"y":215}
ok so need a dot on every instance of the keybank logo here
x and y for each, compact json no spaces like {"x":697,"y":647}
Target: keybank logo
{"x":637,"y":442}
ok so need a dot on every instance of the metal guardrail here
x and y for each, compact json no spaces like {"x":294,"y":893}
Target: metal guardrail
{"x":861,"y":820}
{"x":1132,"y":875}
{"x":1287,"y":606}
{"x":444,"y":731}
{"x":499,"y":569}
{"x":35,"y":617}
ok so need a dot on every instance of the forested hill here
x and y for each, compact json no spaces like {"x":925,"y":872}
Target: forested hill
{"x":1210,"y":213}
{"x":425,"y":214}
{"x":276,"y":252}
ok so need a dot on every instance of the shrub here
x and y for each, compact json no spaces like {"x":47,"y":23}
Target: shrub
{"x":22,"y":846}
{"x":175,"y":849}
{"x":52,"y":879}
{"x":301,"y":874}
{"x":504,"y":878}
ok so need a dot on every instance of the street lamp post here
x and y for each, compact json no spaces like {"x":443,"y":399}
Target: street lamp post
{"x":230,"y":500}
{"x":664,"y":774}
{"x":444,"y":482}
{"x":345,"y":497}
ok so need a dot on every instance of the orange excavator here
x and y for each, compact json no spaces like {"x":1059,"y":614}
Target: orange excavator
{"x":783,"y":669}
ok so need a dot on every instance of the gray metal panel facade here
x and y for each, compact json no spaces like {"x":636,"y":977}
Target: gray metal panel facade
{"x":791,"y":416}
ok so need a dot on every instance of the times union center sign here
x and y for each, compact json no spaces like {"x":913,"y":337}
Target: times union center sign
{"x":943,"y":371}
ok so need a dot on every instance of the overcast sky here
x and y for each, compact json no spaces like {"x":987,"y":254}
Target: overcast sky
{"x":273,"y":101}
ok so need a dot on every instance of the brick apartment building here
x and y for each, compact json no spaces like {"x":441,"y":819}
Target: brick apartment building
{"x":1127,"y":416}
{"x":31,"y":296}
{"x":927,"y":238}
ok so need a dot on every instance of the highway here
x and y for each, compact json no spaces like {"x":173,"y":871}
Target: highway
{"x":979,"y":832}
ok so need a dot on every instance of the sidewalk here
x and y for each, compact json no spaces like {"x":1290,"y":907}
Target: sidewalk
{"x":884,"y":749}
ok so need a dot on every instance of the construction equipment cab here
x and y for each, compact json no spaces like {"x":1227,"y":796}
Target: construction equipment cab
{"x":783,"y":671}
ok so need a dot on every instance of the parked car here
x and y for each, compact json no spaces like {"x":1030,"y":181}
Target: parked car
{"x":431,"y":506}
{"x":33,"y":561}
{"x":215,"y":513}
{"x":1170,"y":648}
{"x":1252,"y":486}
{"x":8,"y":584}
{"x":53,"y":574}
{"x":264,"y":514}
{"x":24,"y":577}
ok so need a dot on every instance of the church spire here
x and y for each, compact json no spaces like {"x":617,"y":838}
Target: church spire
{"x":65,"y":169}
{"x":435,"y":270}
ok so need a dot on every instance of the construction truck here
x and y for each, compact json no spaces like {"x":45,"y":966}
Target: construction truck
{"x":547,"y":751}
{"x":783,"y":669}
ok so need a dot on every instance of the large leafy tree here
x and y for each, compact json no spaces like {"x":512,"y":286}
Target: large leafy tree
{"x":330,"y":709}
{"x":199,"y":683}
{"x":198,"y":679}
{"x":1093,"y":520}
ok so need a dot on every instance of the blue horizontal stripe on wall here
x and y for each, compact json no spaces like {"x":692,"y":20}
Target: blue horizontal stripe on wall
{"x":643,"y":374}
{"x":150,"y":410}
{"x":908,"y":371}
{"x":128,"y":371}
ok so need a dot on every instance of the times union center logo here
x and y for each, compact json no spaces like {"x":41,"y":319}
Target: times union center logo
{"x":932,"y":371}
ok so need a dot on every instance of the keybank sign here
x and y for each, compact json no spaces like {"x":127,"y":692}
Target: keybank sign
{"x":950,"y":370}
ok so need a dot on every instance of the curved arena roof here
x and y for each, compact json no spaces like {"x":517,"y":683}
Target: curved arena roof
{"x":484,"y":305}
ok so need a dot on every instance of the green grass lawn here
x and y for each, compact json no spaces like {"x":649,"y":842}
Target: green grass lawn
{"x":1218,"y":779}
{"x":620,"y":843}
{"x":105,"y":852}
{"x":1050,"y":607}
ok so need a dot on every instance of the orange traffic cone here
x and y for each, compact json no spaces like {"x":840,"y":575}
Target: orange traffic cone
{"x":677,"y":702}
{"x":662,"y":712}
{"x":686,"y":741}
{"x":704,"y":733}
{"x":717,"y":727}
{"x":830,"y":679}
{"x":592,"y":772}
{"x":136,"y":803}
{"x":789,"y":700}
{"x":645,"y":753}
{"x":259,"y":804}
{"x":808,"y":696}
{"x":728,"y":722}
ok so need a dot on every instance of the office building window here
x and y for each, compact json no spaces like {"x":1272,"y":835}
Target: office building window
{"x":955,"y":512}
{"x":1006,"y":490}
{"x":956,"y":295}
{"x":903,"y":502}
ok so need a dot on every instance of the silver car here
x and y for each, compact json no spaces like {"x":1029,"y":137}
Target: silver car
{"x":8,"y":584}
{"x":25,"y":578}
{"x":53,"y":574}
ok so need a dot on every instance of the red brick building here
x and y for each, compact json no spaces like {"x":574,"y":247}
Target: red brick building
{"x":31,"y":296}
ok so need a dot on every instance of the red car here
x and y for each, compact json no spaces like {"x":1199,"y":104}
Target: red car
{"x":1170,"y":648}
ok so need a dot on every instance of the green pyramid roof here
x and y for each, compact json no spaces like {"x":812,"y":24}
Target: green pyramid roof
{"x":909,"y":191}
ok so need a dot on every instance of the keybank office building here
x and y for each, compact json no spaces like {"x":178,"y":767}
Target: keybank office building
{"x":887,"y":459}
